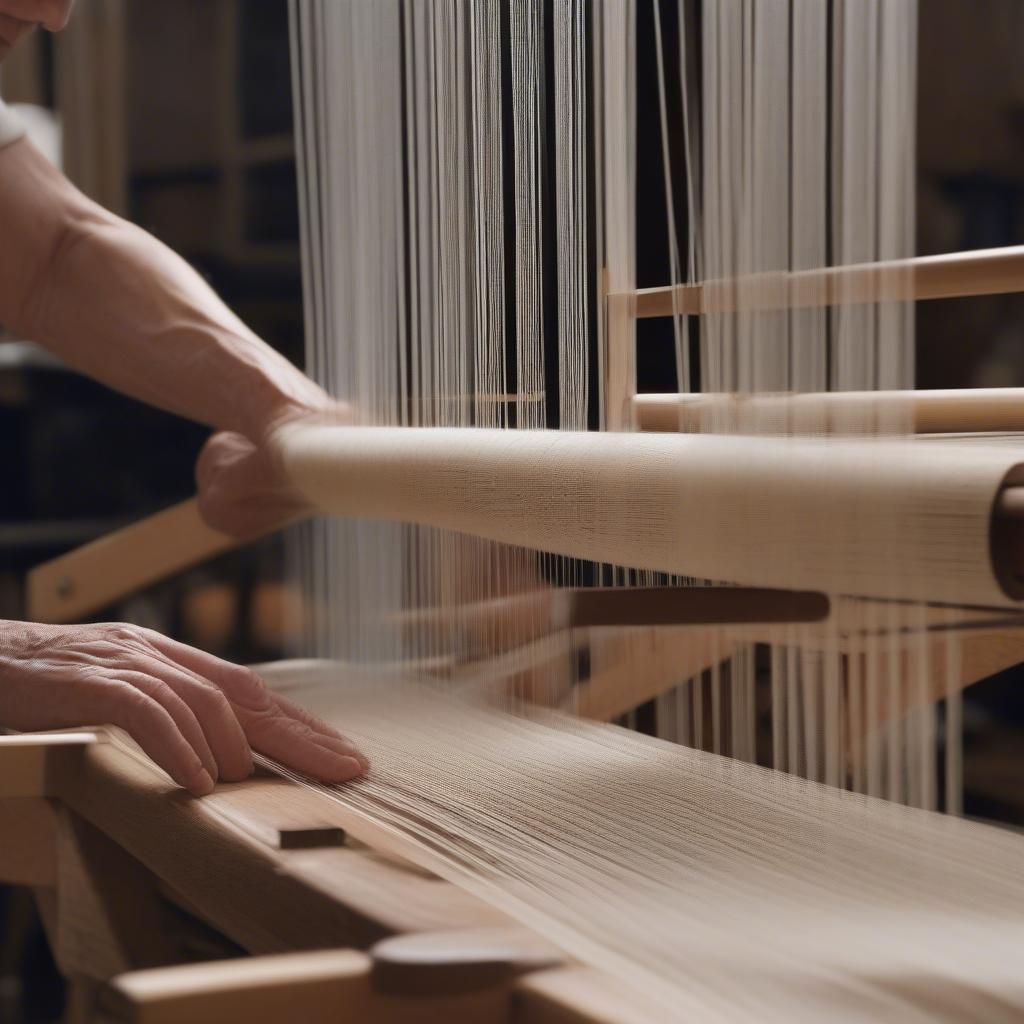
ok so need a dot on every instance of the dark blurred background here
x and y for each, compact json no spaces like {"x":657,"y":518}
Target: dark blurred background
{"x":177,"y":114}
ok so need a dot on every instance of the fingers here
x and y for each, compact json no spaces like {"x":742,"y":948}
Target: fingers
{"x":324,"y":734}
{"x":149,"y":723}
{"x":215,"y":716}
{"x":273,"y":725}
{"x":140,"y":650}
{"x":240,"y":685}
{"x":297,"y":746}
{"x":181,"y":714}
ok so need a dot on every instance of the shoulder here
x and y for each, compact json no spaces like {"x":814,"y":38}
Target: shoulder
{"x":11,"y":126}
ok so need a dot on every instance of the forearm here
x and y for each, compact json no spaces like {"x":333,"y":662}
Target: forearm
{"x":124,"y":309}
{"x":118,"y":305}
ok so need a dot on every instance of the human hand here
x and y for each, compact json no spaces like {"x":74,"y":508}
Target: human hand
{"x":199,"y":718}
{"x":241,"y":491}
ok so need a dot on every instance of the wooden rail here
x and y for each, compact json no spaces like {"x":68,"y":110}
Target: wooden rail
{"x":951,"y":275}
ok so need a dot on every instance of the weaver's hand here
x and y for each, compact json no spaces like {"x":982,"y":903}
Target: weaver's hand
{"x":241,"y":491}
{"x":196,"y":716}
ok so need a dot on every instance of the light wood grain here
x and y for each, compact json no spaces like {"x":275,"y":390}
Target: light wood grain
{"x":324,"y":987}
{"x":315,"y":898}
{"x":96,"y":575}
{"x":579,"y":995}
{"x":952,"y":411}
{"x":31,"y":762}
{"x":680,"y":503}
{"x":107,"y":907}
{"x":457,"y":961}
{"x":951,"y":275}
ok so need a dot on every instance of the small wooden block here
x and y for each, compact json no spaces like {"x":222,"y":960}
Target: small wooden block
{"x":310,"y":838}
{"x":458,"y":961}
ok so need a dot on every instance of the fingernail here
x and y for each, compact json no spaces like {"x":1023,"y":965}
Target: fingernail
{"x":349,"y":768}
{"x":203,"y":783}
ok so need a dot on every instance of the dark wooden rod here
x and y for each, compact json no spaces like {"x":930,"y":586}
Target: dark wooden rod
{"x":693,"y":606}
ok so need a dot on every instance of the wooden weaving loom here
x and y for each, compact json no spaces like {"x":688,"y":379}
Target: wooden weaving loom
{"x":133,"y":876}
{"x":367,"y":902}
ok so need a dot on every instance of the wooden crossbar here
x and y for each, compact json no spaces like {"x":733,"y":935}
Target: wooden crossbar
{"x":948,"y":276}
{"x":952,"y":411}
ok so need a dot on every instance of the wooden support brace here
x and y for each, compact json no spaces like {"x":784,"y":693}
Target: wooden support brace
{"x":96,"y":575}
{"x":322,"y":987}
{"x":28,"y":841}
{"x":34,"y":764}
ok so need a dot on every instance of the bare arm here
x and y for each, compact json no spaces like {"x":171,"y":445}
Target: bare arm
{"x":121,"y":307}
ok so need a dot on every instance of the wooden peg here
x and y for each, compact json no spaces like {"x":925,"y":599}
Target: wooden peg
{"x":458,"y":961}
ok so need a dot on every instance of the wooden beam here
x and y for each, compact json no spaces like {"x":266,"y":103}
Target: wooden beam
{"x":580,"y":995}
{"x":32,"y":763}
{"x":266,"y":899}
{"x":108,"y":917}
{"x":951,"y":275}
{"x":589,"y":493}
{"x":28,"y":842}
{"x":323,"y":987}
{"x":98,"y":574}
{"x":952,"y":411}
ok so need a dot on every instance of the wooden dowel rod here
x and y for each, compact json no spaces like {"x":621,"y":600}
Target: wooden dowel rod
{"x":739,"y":510}
{"x":954,"y":411}
{"x":689,"y":606}
{"x":466,"y":480}
{"x":951,"y":275}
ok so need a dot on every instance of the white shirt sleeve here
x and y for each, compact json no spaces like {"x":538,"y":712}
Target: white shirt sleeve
{"x":12,"y":127}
